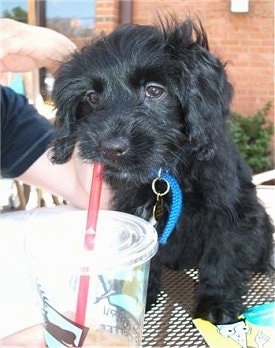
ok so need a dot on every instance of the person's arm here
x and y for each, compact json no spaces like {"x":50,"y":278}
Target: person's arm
{"x":25,"y":140}
{"x":71,"y":180}
{"x":25,"y":47}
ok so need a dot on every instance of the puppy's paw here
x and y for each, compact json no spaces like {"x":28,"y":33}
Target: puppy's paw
{"x":217,"y":312}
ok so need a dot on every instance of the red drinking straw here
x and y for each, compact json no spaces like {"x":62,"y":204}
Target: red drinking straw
{"x":90,"y":233}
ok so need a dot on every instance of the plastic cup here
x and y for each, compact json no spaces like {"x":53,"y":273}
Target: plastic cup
{"x":117,"y":268}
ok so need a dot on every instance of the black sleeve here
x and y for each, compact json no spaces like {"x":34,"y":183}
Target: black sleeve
{"x":25,"y":135}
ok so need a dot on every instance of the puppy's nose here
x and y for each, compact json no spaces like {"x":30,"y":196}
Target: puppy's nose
{"x":113,"y":147}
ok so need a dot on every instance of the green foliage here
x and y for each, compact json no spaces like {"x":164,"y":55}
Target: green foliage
{"x":253,"y":135}
{"x":17,"y":13}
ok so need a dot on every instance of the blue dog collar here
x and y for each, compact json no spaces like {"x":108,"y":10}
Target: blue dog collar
{"x":176,"y":206}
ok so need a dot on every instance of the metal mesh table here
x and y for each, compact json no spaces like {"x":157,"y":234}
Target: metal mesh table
{"x":169,"y":322}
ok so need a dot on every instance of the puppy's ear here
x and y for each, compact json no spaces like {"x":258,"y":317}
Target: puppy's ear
{"x":205,"y":93}
{"x":65,"y":97}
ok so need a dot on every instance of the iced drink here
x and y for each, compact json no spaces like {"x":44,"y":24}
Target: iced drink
{"x":117,"y":270}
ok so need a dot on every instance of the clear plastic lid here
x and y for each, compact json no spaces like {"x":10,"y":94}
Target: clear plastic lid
{"x":122,"y":240}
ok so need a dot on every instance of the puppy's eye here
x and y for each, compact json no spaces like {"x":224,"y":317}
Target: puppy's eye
{"x":154,"y":91}
{"x":92,"y":97}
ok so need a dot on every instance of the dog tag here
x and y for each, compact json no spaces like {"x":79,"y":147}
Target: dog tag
{"x":158,"y":210}
{"x":160,"y":187}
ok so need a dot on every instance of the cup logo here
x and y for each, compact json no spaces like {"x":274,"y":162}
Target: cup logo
{"x":60,"y":331}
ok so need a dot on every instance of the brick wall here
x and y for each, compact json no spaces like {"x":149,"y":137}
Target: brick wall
{"x":106,"y":15}
{"x":245,"y":40}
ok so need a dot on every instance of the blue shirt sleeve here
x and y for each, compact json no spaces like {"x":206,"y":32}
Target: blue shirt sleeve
{"x":25,"y":135}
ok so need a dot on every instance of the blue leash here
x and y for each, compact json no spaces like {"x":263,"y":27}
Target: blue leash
{"x":176,"y":206}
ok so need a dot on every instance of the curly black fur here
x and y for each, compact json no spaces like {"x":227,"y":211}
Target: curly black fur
{"x":149,"y":97}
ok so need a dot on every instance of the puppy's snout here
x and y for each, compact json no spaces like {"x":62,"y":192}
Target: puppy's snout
{"x":113,"y":147}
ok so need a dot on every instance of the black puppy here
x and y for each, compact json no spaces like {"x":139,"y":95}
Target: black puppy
{"x":147,"y":100}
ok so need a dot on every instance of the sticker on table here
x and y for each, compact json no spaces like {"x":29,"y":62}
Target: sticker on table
{"x":254,"y":329}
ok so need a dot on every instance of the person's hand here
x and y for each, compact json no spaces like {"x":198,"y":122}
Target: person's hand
{"x":71,"y":180}
{"x":25,"y":47}
{"x":30,"y":337}
{"x":84,"y":172}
